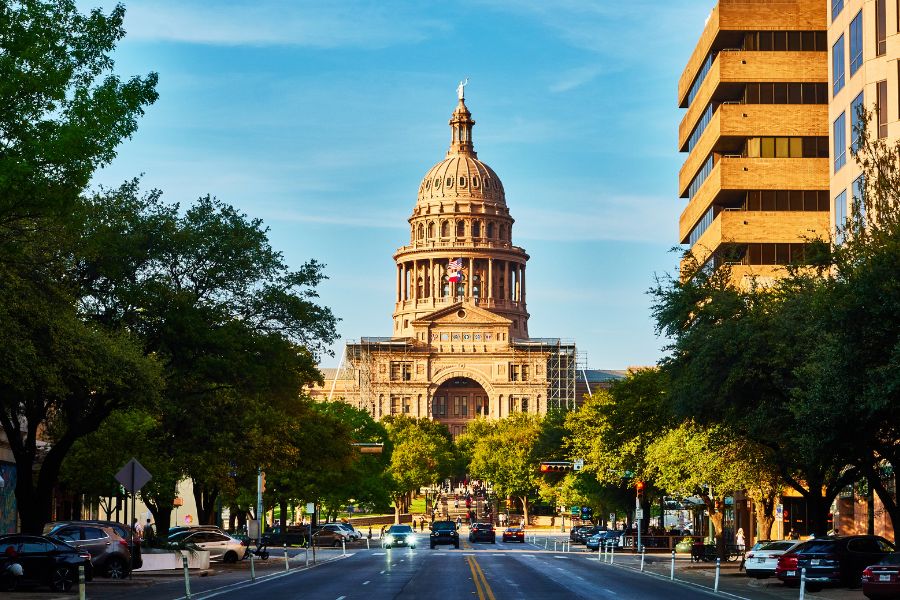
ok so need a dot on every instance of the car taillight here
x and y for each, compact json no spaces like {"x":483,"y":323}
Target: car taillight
{"x":123,"y":543}
{"x":85,"y":555}
{"x":787,"y":562}
{"x":868,"y":574}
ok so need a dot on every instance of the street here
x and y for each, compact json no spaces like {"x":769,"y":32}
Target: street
{"x":482,"y":571}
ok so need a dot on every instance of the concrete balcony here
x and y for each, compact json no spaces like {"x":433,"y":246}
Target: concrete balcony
{"x":732,"y":123}
{"x":732,"y":69}
{"x":742,"y":174}
{"x":730,"y":16}
{"x":760,"y":227}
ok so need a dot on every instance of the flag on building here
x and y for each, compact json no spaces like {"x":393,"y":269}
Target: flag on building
{"x":454,"y":270}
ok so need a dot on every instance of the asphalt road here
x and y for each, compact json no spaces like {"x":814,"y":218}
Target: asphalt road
{"x":475,"y":571}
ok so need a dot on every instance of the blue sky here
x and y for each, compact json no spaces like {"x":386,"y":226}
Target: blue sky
{"x":321,"y":118}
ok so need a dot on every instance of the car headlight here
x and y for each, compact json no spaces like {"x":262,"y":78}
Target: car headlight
{"x":389,"y":539}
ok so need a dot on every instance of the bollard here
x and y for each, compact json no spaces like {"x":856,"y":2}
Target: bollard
{"x":612,"y":556}
{"x":252,"y":568}
{"x":672,"y":572}
{"x":187,"y":578}
{"x":307,"y":556}
{"x":718,"y":568}
{"x":599,"y":552}
{"x":642,"y":559}
{"x":343,"y":547}
{"x":554,"y":545}
{"x":287,"y":566}
{"x":802,"y":583}
{"x":546,"y":543}
{"x":80,"y":582}
{"x":367,"y":544}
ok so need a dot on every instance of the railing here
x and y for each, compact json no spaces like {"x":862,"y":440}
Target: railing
{"x":462,"y":244}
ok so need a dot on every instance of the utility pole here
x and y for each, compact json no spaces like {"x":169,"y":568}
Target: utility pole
{"x":259,"y":514}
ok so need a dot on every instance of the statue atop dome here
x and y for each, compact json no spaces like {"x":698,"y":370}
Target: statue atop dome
{"x":461,"y":89}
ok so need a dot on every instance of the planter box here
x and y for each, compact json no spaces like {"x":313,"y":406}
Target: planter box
{"x":166,"y":561}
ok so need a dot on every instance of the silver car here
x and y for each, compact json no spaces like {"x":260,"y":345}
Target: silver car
{"x":219,"y":545}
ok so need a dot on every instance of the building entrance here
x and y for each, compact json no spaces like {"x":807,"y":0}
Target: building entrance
{"x":457,"y":402}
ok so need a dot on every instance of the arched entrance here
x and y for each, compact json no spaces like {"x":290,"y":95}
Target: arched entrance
{"x":458,"y":401}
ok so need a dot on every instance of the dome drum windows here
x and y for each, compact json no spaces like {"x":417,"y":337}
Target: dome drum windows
{"x":449,"y":182}
{"x":445,"y":229}
{"x":462,"y":182}
{"x":490,"y":231}
{"x":474,"y":181}
{"x":476,"y":229}
{"x":460,"y":229}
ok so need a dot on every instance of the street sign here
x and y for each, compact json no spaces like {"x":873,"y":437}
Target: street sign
{"x":310,"y":508}
{"x":133,"y":476}
{"x":578,"y":464}
{"x":253,"y":529}
{"x":638,"y":514}
{"x":612,"y":516}
{"x":575,"y":511}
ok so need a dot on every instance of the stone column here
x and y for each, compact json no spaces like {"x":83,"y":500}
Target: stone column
{"x":399,"y":274}
{"x":470,"y":280}
{"x":414,"y":281}
{"x":523,"y":284}
{"x":508,"y":276}
{"x":430,"y":280}
{"x":490,"y":281}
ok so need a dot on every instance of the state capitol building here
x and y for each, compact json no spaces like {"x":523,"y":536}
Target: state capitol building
{"x":460,"y":347}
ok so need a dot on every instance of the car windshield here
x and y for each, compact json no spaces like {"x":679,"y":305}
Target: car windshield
{"x":817,"y":546}
{"x":443,"y":526}
{"x":778,"y":545}
{"x":400,"y":529}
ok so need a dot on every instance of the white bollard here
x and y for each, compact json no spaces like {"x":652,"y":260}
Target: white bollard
{"x":343,"y":546}
{"x":287,"y":566}
{"x":612,"y":556}
{"x":367,"y":544}
{"x":718,"y":569}
{"x":546,"y":543}
{"x":81,"y":591}
{"x":642,"y":559}
{"x":554,"y":545}
{"x":802,"y":583}
{"x":187,"y":578}
{"x":672,"y":572}
{"x":252,"y":568}
{"x":307,"y":555}
{"x":599,"y":552}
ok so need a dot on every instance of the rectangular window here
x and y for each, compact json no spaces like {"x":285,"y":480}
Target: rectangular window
{"x":859,"y":196}
{"x":856,"y":113}
{"x":856,"y":43}
{"x":840,"y":142}
{"x":406,"y":404}
{"x":840,"y":216}
{"x":880,"y":27}
{"x":837,"y":66}
{"x":514,"y":372}
{"x":881,"y":108}
{"x":524,"y":372}
{"x":836,"y":7}
{"x":401,"y":371}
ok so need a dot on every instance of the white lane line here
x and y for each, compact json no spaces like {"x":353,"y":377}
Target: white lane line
{"x":378,"y":553}
{"x":562,"y":557}
{"x":382,"y":573}
{"x":439,"y":554}
{"x":341,"y":597}
{"x":367,"y":583}
{"x":528,"y":555}
{"x":498,"y":554}
{"x":464,"y":554}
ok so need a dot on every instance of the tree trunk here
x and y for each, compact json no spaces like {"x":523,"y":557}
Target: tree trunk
{"x":524,"y":510}
{"x":765,"y":516}
{"x":397,"y":502}
{"x":887,"y":500}
{"x":282,"y":505}
{"x":206,"y":503}
{"x":717,"y":521}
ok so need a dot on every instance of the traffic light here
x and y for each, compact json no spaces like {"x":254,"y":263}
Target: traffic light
{"x":262,"y":481}
{"x":555,"y":466}
{"x":640,"y":490}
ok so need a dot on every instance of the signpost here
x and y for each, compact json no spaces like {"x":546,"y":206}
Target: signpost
{"x":133,"y":476}
{"x":575,"y":511}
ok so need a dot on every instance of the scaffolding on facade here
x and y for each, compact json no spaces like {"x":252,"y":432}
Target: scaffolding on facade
{"x":561,"y":364}
{"x":357,"y":368}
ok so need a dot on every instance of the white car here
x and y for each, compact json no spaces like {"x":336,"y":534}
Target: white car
{"x":219,"y":545}
{"x":354,"y":534}
{"x":760,"y":561}
{"x":338,"y":528}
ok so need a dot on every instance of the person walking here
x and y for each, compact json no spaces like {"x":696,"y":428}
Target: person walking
{"x":739,"y":542}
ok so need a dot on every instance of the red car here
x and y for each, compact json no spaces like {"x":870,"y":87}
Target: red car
{"x":514,"y":534}
{"x":883,"y":579}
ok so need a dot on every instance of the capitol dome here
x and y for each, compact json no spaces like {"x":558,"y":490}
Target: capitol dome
{"x":461,"y":175}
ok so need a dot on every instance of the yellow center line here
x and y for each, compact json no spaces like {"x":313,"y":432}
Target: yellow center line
{"x":487,"y":587}
{"x":478,"y":590}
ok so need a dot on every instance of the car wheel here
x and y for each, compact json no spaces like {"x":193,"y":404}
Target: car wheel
{"x":230,"y":557}
{"x":336,"y":544}
{"x":264,"y":555}
{"x":61,"y":579}
{"x":115,"y":569}
{"x":456,"y":546}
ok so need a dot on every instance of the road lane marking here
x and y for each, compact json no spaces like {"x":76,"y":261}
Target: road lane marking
{"x":379,"y":553}
{"x":562,"y":557}
{"x":498,"y":554}
{"x":382,"y":573}
{"x":341,"y":597}
{"x":484,"y":583}
{"x":367,"y":583}
{"x":475,"y":580}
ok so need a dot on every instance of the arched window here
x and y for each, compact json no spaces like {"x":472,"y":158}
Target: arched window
{"x":421,"y":231}
{"x":431,"y":230}
{"x":445,"y":229}
{"x":490,"y":231}
{"x":460,"y":229}
{"x":476,"y":229}
{"x":502,"y":232}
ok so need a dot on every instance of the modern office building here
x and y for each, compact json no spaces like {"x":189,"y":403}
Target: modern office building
{"x":755,"y":130}
{"x":863,"y":68}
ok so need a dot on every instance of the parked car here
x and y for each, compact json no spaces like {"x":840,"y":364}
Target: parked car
{"x":123,"y":531}
{"x":760,"y":561}
{"x":328,"y":536}
{"x":110,"y":553}
{"x":444,"y":532}
{"x":514,"y":534}
{"x":339,"y":530}
{"x":291,"y":536}
{"x":399,"y":535}
{"x":603,"y":537}
{"x":882,"y":580}
{"x":482,"y":532}
{"x":355,"y":534}
{"x":832,"y":560}
{"x":219,"y":545}
{"x":573,"y":533}
{"x":583,"y":535}
{"x":180,"y":528}
{"x":47,"y":560}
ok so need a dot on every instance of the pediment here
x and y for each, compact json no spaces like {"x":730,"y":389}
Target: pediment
{"x":461,"y":313}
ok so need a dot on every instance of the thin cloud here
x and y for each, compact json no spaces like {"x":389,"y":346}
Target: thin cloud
{"x":577,"y":77}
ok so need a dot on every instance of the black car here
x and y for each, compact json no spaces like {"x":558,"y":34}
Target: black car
{"x":399,"y":535}
{"x":47,"y":560}
{"x":582,"y":535}
{"x":573,"y":533}
{"x":832,"y":560}
{"x":444,"y":532}
{"x":110,"y":553}
{"x":291,"y":536}
{"x":482,"y":532}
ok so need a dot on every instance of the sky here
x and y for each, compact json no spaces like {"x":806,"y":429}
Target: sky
{"x":321,"y":118}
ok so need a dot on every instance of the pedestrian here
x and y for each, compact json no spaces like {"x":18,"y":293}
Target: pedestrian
{"x":370,"y":532}
{"x":739,"y":542}
{"x":137,"y":532}
{"x":458,"y":522}
{"x":414,"y":524}
{"x":148,"y":532}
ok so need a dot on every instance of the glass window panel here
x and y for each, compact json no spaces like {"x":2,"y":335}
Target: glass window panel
{"x":809,"y":41}
{"x":765,"y":40}
{"x":856,"y":43}
{"x":782,"y":200}
{"x":766,"y":93}
{"x":767,"y":147}
{"x":751,"y":95}
{"x":753,"y":200}
{"x":796,"y":150}
{"x":880,"y":27}
{"x":840,"y":142}
{"x":768,"y":200}
{"x":881,"y":108}
{"x":768,"y":254}
{"x":754,"y":252}
{"x":836,"y":7}
{"x":753,"y":147}
{"x":794,"y":93}
{"x":856,"y":108}
{"x":822,"y":147}
{"x":837,"y":65}
{"x":780,"y":91}
{"x":821,"y":41}
{"x":780,"y":40}
{"x":782,"y":147}
{"x":796,"y":199}
{"x":793,"y":41}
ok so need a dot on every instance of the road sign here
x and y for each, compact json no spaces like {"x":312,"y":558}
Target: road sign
{"x":612,"y":516}
{"x":578,"y":464}
{"x":310,"y":508}
{"x":133,"y":476}
{"x":575,"y":511}
{"x":638,"y":514}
